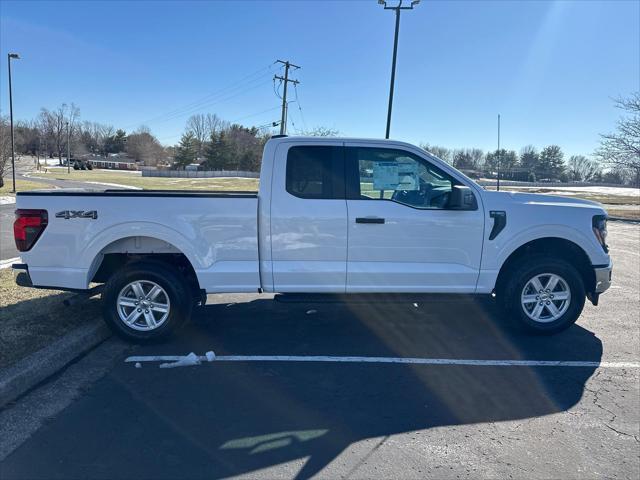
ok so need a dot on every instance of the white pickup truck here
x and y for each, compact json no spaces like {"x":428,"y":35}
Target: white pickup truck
{"x":331,"y":215}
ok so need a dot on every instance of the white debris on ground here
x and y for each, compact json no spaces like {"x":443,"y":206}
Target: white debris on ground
{"x":7,"y":200}
{"x":210,"y":356}
{"x":138,"y":365}
{"x":311,"y":312}
{"x":186,"y":361}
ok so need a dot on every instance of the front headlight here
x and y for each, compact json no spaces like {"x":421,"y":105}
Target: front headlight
{"x":599,"y":224}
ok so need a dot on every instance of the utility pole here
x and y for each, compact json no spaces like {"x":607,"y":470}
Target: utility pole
{"x":286,"y":80}
{"x":397,"y":9}
{"x":13,"y":148}
{"x":499,"y":154}
{"x":68,"y":149}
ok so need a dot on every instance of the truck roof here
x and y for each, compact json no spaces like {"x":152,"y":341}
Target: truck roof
{"x":288,"y":138}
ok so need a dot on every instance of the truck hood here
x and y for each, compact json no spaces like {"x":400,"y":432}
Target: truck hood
{"x":542,"y":200}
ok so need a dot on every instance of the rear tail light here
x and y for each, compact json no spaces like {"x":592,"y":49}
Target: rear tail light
{"x":599,"y":224}
{"x":28,"y":227}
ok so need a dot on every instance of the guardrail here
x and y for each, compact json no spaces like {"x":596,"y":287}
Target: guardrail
{"x":199,"y":173}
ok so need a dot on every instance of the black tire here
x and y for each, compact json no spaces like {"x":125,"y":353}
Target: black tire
{"x":175,"y":289}
{"x":525,"y":271}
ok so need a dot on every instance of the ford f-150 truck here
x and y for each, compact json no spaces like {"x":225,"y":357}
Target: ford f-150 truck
{"x":331,"y":215}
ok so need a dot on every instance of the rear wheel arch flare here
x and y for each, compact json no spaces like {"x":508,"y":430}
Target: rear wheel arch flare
{"x":111,"y":258}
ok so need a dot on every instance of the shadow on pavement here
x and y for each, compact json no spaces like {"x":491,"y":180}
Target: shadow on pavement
{"x":224,"y":419}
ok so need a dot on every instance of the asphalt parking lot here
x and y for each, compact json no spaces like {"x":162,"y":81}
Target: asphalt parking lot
{"x":291,"y":419}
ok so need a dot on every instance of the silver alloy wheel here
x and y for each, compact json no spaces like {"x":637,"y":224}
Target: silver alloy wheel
{"x":143,"y":305}
{"x":545,"y":297}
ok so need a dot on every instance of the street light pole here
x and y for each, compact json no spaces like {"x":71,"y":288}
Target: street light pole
{"x":13,"y":152}
{"x":499,"y":155}
{"x":68,"y":151}
{"x":397,"y":9}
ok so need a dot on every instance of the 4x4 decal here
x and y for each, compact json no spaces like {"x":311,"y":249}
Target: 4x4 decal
{"x":67,"y":214}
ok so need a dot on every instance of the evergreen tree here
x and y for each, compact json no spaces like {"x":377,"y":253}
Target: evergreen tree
{"x":116,"y":143}
{"x":187,"y":150}
{"x":218,"y":153}
{"x":551,"y":164}
{"x":502,"y":160}
{"x":529,"y":159}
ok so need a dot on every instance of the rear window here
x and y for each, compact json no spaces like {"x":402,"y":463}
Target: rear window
{"x":315,"y":172}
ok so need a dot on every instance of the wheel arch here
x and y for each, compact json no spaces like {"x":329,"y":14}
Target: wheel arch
{"x":126,"y":250}
{"x":553,"y":247}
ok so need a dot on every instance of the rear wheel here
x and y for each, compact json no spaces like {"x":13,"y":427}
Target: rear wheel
{"x":146,"y":301}
{"x":545,"y":295}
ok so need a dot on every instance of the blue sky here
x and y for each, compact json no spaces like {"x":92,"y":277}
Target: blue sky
{"x":549,"y":68}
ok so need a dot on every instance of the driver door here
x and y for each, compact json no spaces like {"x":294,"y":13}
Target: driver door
{"x":402,"y":236}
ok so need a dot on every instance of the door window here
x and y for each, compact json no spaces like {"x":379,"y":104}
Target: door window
{"x":399,"y":176}
{"x":315,"y":172}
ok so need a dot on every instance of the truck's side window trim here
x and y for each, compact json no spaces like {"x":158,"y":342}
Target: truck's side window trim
{"x":316,"y":172}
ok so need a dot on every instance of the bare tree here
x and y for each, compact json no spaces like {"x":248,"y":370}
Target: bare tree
{"x":621,"y":149}
{"x":441,"y":152}
{"x":583,"y":169}
{"x":202,"y":126}
{"x":55,"y":124}
{"x":5,"y":147}
{"x":322,"y":132}
{"x":215,"y":124}
{"x":477,"y":158}
{"x":144,"y":147}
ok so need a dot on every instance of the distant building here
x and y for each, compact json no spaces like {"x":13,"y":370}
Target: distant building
{"x":114,"y":161}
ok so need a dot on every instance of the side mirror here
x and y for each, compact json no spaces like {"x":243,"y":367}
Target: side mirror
{"x":462,"y":198}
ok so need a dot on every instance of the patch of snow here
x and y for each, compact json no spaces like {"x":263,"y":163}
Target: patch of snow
{"x":7,"y":200}
{"x":8,"y":262}
{"x":311,"y":312}
{"x":210,"y":356}
{"x":116,"y":185}
{"x":138,"y":365}
{"x":556,"y":190}
{"x":186,"y":361}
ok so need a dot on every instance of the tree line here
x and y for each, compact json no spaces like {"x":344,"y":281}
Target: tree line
{"x":216,"y":144}
{"x":617,"y":159}
{"x":529,"y":165}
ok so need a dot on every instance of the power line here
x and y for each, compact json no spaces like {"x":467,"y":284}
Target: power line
{"x":212,"y":102}
{"x":248,"y":79}
{"x":255,"y":114}
{"x":304,"y":123}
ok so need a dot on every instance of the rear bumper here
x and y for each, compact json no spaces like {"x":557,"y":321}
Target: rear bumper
{"x":603,"y":277}
{"x":22,"y":278}
{"x":21,"y":275}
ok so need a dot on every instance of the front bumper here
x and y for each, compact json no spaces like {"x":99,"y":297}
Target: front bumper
{"x":603,"y":277}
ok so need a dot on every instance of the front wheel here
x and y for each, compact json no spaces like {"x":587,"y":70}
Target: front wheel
{"x":145,"y":302}
{"x":545,"y":295}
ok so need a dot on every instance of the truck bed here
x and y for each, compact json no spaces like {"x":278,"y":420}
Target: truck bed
{"x":215,"y":230}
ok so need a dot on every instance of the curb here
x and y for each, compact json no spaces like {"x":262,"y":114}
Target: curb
{"x":30,"y":371}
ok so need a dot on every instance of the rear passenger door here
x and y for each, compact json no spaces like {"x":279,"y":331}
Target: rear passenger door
{"x":309,"y":219}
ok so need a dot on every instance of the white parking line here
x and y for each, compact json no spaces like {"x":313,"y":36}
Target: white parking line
{"x":402,"y":360}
